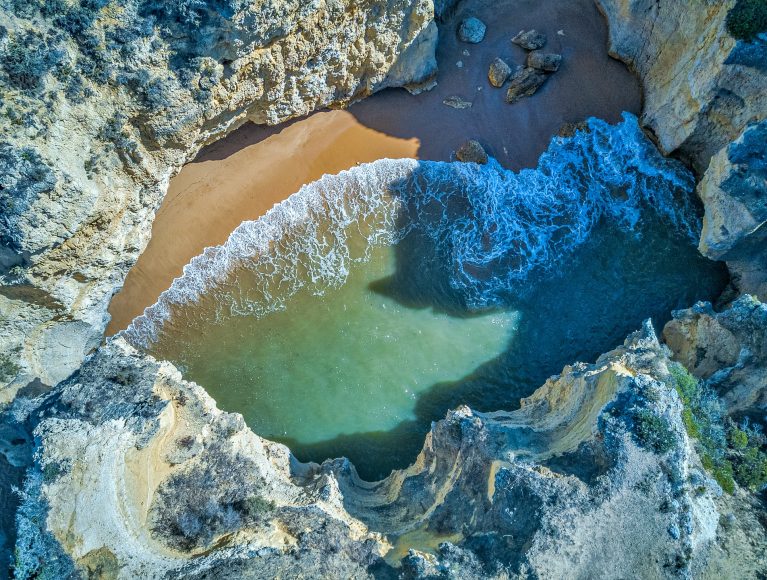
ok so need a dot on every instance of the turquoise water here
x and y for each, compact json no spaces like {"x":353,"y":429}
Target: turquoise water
{"x":371,"y":302}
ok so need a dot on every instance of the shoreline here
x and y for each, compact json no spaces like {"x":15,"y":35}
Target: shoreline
{"x":242,"y":176}
{"x":218,"y":191}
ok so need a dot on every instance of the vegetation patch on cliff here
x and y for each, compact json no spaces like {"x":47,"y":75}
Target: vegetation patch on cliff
{"x":747,"y":19}
{"x":732,"y":453}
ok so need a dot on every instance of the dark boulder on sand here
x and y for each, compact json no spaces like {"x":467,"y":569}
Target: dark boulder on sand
{"x":545,"y":61}
{"x":472,"y":30}
{"x":499,"y":72}
{"x":524,"y":82}
{"x":472,"y":152}
{"x":530,"y":40}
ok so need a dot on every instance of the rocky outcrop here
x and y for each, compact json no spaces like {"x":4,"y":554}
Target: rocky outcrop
{"x":138,"y":474}
{"x":727,"y":349}
{"x":734,"y":193}
{"x":703,"y":95}
{"x":105,"y":101}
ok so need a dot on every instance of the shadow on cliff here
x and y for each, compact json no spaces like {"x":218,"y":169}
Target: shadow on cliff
{"x":584,"y":306}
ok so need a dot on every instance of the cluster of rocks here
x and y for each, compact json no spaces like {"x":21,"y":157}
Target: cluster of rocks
{"x":528,"y":78}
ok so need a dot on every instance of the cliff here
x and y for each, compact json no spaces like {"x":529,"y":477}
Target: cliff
{"x":728,"y":349}
{"x":104,"y":101}
{"x":137,"y":473}
{"x":704,"y":101}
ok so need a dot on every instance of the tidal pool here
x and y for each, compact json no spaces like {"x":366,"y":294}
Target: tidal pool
{"x":371,"y":302}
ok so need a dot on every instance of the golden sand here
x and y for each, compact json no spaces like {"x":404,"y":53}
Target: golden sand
{"x":208,"y":199}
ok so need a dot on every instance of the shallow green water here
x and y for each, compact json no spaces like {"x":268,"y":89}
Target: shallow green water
{"x":372,"y":302}
{"x":357,"y":373}
{"x":349,"y":362}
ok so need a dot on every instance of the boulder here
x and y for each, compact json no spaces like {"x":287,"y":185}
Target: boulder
{"x":472,"y":152}
{"x":546,"y":61}
{"x":530,"y":40}
{"x":471,"y":30}
{"x":524,"y":82}
{"x":499,"y":72}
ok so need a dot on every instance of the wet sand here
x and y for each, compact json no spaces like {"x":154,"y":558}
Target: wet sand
{"x":242,"y":176}
{"x":236,"y":180}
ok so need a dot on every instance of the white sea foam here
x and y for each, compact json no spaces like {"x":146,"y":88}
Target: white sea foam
{"x":493,"y":226}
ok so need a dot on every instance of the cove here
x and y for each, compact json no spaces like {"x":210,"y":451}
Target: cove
{"x":370,"y":302}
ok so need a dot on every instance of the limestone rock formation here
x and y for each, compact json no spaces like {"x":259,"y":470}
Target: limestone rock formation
{"x":498,"y":72}
{"x":105,"y":101}
{"x":471,"y":30}
{"x":135,"y":471}
{"x":530,"y":39}
{"x":703,"y":90}
{"x":734,"y":193}
{"x":524,"y":82}
{"x":545,"y":61}
{"x":728,"y":349}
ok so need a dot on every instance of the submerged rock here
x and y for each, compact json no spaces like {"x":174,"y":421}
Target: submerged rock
{"x":472,"y":152}
{"x":498,"y":73}
{"x":545,"y":61}
{"x":524,"y":82}
{"x":530,"y":40}
{"x":569,"y":129}
{"x":472,"y":30}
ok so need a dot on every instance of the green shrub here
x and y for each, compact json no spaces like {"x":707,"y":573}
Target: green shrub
{"x":751,"y":471}
{"x":653,"y":431}
{"x":731,"y":453}
{"x":723,"y":475}
{"x":738,"y":438}
{"x":8,"y":368}
{"x":747,"y":19}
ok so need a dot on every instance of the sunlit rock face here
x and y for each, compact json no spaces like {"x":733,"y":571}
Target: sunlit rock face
{"x":728,"y":349}
{"x":138,"y":471}
{"x":120,"y":96}
{"x":704,"y":99}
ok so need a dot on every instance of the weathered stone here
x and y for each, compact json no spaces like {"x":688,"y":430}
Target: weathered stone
{"x":545,"y":61}
{"x":472,"y":30}
{"x":702,"y":90}
{"x":530,"y":40}
{"x":498,"y":73}
{"x":728,"y":349}
{"x":524,"y":82}
{"x":79,"y":186}
{"x":472,"y":152}
{"x":733,"y":194}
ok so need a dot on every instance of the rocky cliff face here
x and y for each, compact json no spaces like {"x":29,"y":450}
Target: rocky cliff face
{"x":727,"y":349}
{"x":704,"y":100}
{"x":104,"y":101}
{"x":136,"y":473}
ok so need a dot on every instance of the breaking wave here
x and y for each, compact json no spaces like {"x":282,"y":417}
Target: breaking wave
{"x":492,"y":226}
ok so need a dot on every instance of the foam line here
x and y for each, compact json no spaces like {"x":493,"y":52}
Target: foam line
{"x":482,"y":219}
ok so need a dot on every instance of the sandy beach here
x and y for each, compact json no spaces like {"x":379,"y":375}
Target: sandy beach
{"x":242,"y":176}
{"x":237,"y":180}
